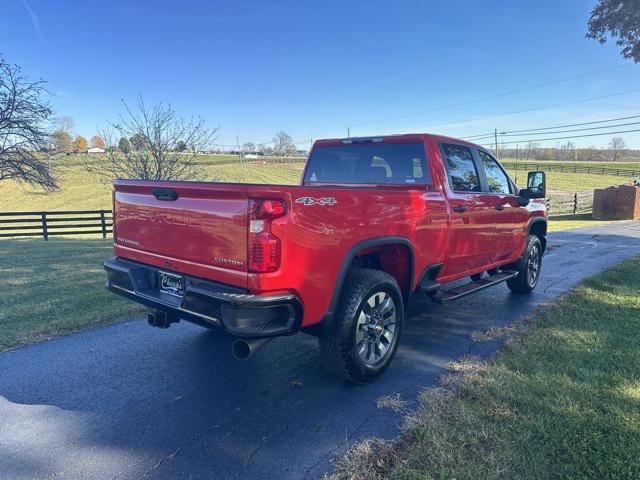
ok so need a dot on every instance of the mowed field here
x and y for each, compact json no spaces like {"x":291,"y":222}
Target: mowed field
{"x":569,"y":182}
{"x":80,"y":190}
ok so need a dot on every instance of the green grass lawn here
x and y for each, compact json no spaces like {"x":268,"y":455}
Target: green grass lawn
{"x":561,"y":402}
{"x":569,"y":222}
{"x":55,"y":287}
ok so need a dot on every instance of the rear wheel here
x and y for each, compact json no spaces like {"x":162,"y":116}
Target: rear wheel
{"x":367,"y":326}
{"x":528,"y":267}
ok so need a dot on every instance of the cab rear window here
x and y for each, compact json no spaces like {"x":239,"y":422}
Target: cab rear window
{"x":390,"y":163}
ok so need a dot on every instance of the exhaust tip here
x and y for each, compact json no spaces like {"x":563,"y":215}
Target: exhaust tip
{"x":240,"y":350}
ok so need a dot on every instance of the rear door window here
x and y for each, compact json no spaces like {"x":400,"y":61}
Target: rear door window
{"x":370,"y":163}
{"x":497,"y":180}
{"x":461,"y":169}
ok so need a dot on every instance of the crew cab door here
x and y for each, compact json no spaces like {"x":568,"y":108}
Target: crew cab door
{"x":471,"y":229}
{"x":505,"y":215}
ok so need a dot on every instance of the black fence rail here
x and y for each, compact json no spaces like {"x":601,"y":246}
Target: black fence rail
{"x":53,"y":224}
{"x":559,"y":167}
{"x":570,"y":204}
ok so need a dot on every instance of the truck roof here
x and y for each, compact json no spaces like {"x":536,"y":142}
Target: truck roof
{"x":397,"y":138}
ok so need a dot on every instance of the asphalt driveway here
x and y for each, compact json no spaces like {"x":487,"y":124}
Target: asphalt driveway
{"x":128,"y":401}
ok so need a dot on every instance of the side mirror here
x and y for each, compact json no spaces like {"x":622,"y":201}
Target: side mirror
{"x":536,"y":185}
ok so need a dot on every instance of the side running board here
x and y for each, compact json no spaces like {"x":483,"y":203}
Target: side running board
{"x":455,"y":293}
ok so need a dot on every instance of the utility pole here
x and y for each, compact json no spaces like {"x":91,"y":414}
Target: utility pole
{"x":516,"y":180}
{"x":496,"y":138}
{"x":348,"y":132}
{"x":238,"y":143}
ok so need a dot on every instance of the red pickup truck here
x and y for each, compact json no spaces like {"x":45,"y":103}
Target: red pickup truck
{"x":373,"y":222}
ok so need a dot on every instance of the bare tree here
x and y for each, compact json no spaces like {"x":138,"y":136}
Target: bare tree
{"x":617,"y":146}
{"x":530,"y":150}
{"x":156,"y":133}
{"x":283,"y":144}
{"x":63,"y":123}
{"x":24,"y":139}
{"x":248,"y":147}
{"x":61,"y":138}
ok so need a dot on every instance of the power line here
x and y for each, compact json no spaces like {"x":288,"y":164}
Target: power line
{"x":575,"y":124}
{"x":466,"y":102}
{"x":571,"y":130}
{"x":485,"y":117}
{"x":490,"y":97}
{"x":489,"y":134}
{"x":526,"y":110}
{"x":562,"y":138}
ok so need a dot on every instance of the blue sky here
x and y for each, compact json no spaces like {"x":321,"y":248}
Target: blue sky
{"x":315,"y":68}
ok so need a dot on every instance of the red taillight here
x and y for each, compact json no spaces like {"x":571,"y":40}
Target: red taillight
{"x":264,"y":246}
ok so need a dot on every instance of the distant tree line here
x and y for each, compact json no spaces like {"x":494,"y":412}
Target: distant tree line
{"x":616,"y":151}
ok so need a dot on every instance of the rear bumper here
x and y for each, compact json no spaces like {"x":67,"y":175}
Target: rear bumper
{"x":207,"y":303}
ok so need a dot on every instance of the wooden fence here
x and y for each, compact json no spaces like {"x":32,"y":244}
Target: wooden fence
{"x":53,"y":224}
{"x":570,"y":203}
{"x":559,"y":167}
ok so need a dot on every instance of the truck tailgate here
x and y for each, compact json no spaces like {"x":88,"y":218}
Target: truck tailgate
{"x":196,"y":228}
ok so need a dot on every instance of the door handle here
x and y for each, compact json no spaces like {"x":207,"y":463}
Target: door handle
{"x":500,"y":207}
{"x":460,"y":208}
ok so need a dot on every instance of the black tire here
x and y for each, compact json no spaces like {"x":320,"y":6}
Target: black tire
{"x":340,"y":350}
{"x":528,"y":267}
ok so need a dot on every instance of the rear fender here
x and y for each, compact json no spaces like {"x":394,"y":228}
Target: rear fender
{"x":324,"y":327}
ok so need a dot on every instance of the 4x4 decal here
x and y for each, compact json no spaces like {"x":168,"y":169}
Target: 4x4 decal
{"x":316,"y":201}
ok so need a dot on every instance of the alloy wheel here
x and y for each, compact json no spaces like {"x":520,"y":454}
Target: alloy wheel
{"x":533,"y":267}
{"x":376,"y":328}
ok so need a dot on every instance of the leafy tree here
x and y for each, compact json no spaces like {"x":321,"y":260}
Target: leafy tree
{"x":138,"y":142}
{"x":155,"y":133}
{"x":283,"y":144}
{"x":97,"y":142}
{"x":62,"y":142}
{"x":24,"y":139}
{"x":123,"y":145}
{"x":619,"y":19}
{"x":181,"y":146}
{"x":80,"y":144}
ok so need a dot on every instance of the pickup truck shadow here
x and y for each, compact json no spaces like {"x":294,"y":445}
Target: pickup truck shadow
{"x":138,"y":401}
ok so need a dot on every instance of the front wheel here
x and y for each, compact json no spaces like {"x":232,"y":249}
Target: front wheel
{"x":528,"y":268}
{"x":366,"y":328}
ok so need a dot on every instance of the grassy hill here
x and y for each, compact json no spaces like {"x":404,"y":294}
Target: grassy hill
{"x":80,"y":190}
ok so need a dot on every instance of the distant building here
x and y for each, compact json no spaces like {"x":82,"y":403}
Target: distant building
{"x":95,"y":150}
